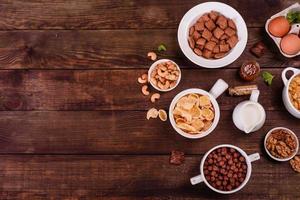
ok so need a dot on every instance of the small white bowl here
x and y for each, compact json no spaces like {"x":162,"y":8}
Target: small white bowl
{"x":281,"y":159}
{"x":152,"y":67}
{"x":193,"y":15}
{"x":249,"y":159}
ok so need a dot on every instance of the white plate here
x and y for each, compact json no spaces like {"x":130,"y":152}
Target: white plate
{"x":193,"y":15}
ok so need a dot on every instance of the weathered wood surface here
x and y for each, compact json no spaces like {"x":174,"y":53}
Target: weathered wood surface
{"x":118,"y":14}
{"x":111,"y":49}
{"x":118,"y":132}
{"x":115,"y":89}
{"x":126,"y":177}
{"x":72,"y":116}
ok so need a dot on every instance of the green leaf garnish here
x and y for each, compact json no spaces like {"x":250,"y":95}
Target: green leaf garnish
{"x":268,"y":77}
{"x":293,"y":17}
{"x":162,"y":47}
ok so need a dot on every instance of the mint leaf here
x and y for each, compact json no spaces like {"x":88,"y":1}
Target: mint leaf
{"x":267,"y":77}
{"x":293,"y":17}
{"x":162,"y":47}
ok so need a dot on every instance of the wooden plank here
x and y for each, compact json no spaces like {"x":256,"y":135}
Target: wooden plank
{"x":110,"y":49}
{"x":106,"y":14}
{"x":118,"y":132}
{"x":126,"y":177}
{"x":113,"y":89}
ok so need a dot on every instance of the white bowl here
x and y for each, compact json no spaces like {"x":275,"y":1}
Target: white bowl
{"x":285,"y":93}
{"x":152,"y":67}
{"x":281,"y":159}
{"x":193,"y":15}
{"x":249,"y":159}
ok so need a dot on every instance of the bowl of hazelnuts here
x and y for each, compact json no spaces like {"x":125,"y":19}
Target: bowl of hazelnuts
{"x":225,"y":169}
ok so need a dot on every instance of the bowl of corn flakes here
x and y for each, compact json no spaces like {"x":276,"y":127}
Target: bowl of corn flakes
{"x":194,"y":113}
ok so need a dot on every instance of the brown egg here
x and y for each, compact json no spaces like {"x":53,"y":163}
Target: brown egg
{"x":290,"y":44}
{"x":279,"y":26}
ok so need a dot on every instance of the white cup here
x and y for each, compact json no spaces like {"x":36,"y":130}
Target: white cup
{"x":242,"y":122}
{"x":219,"y":87}
{"x":249,"y":159}
{"x":285,"y":93}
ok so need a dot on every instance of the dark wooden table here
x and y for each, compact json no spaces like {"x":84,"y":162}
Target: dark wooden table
{"x":72,"y":120}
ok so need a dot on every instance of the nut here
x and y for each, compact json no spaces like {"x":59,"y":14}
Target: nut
{"x":143,"y":79}
{"x":295,"y":164}
{"x":281,"y":144}
{"x":154,"y":97}
{"x":145,"y":90}
{"x":152,"y":56}
{"x":152,"y":113}
{"x":165,"y":75}
{"x":162,"y":115}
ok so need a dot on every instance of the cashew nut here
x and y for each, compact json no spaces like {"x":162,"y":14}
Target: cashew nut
{"x":143,"y":79}
{"x":171,"y":77}
{"x":163,"y":86}
{"x":162,"y":115}
{"x":152,"y":56}
{"x":145,"y":90}
{"x":153,"y":80}
{"x":166,"y":85}
{"x":162,"y":67}
{"x":145,"y":76}
{"x":162,"y":73}
{"x":161,"y":79}
{"x":152,"y":113}
{"x":173,"y":84}
{"x":154,"y":97}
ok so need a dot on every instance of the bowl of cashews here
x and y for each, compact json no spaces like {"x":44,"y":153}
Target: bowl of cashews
{"x":164,"y":75}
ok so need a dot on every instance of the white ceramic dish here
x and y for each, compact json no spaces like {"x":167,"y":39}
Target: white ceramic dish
{"x":285,"y":93}
{"x":294,"y":29}
{"x":249,"y":159}
{"x":281,"y":159}
{"x":152,"y":67}
{"x":193,"y":15}
{"x":219,"y":87}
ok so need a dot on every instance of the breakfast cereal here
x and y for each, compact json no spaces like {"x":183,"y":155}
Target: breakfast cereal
{"x":225,"y":169}
{"x":194,"y":113}
{"x":294,"y":92}
{"x":213,"y":36}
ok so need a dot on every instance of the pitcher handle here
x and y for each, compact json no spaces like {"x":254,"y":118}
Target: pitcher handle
{"x":219,"y":87}
{"x":283,"y":74}
{"x":254,"y":95}
{"x":196,"y":179}
{"x":254,"y":157}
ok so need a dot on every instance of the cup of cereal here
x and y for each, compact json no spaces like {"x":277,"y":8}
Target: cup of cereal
{"x":291,"y":91}
{"x":194,"y":113}
{"x":225,"y":169}
{"x":281,"y":144}
{"x":164,"y":75}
